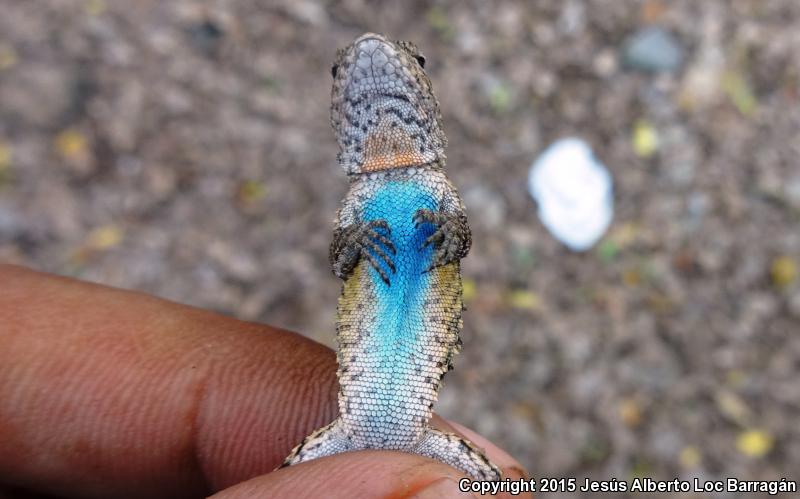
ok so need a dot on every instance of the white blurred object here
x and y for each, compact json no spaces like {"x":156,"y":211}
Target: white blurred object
{"x":574,"y":193}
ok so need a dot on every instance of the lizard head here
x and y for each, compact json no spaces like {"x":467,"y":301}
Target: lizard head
{"x":383,"y":110}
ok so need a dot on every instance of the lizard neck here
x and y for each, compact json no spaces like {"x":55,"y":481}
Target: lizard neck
{"x":436,"y":165}
{"x":385,"y":132}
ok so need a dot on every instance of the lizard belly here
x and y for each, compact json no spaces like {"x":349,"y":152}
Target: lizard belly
{"x":396,"y":340}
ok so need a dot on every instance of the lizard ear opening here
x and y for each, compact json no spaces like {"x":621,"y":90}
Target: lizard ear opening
{"x":334,"y":70}
{"x":421,"y":60}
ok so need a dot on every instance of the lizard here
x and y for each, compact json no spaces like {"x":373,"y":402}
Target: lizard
{"x":399,"y":236}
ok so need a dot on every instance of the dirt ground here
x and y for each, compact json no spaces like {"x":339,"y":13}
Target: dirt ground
{"x":183,"y":149}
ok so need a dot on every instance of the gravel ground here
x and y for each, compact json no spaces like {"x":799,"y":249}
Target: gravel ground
{"x":183,"y":149}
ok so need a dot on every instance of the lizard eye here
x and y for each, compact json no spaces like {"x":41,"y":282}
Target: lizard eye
{"x":334,"y":70}
{"x":420,"y":59}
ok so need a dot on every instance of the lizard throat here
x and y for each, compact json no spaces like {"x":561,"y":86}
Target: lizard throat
{"x":383,"y":151}
{"x":385,"y":132}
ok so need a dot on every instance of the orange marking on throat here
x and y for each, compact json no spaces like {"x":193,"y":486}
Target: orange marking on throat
{"x":394,"y":149}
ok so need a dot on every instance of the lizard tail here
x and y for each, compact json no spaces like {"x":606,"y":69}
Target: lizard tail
{"x":459,"y":453}
{"x":326,"y":441}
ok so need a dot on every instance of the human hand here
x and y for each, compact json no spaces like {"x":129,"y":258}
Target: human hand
{"x":111,"y":393}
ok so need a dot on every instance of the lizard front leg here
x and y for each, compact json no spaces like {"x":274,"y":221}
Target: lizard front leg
{"x":452,"y":238}
{"x":362,"y":240}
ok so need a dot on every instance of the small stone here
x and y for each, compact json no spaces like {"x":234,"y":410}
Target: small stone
{"x":308,"y":12}
{"x":573,"y":18}
{"x":205,"y":36}
{"x":794,"y":303}
{"x":605,"y":63}
{"x":700,"y":84}
{"x":653,"y":50}
{"x":791,"y":190}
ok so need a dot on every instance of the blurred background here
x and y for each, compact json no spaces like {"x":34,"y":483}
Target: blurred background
{"x":183,"y":149}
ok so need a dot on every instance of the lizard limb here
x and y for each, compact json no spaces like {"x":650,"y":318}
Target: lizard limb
{"x":458,"y":452}
{"x":359,"y":240}
{"x":325,"y":441}
{"x":452,"y":238}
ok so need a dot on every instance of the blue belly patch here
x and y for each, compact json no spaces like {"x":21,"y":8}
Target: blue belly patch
{"x":400,"y":306}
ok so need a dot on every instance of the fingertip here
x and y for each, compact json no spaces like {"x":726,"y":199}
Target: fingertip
{"x":356,"y":474}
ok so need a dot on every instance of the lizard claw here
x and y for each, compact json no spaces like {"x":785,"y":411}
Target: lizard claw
{"x":368,"y":240}
{"x":377,"y":266}
{"x":372,"y":233}
{"x":437,"y":237}
{"x":424,"y":215}
{"x":451,"y":239}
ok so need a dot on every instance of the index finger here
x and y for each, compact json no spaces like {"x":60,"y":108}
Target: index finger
{"x":104,"y":391}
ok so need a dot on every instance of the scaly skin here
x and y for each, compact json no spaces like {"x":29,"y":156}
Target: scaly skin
{"x":399,"y":238}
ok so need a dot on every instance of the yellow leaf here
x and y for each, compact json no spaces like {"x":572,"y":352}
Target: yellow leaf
{"x":659,"y":303}
{"x":629,"y":412}
{"x":8,"y":56}
{"x":71,"y":144}
{"x":732,"y":406}
{"x":739,"y":92}
{"x":526,"y":300}
{"x":735,"y":378}
{"x":690,"y":456}
{"x":500,"y":98}
{"x":625,"y":234}
{"x":105,"y":237}
{"x":783,"y":271}
{"x":754,"y":443}
{"x":631,"y":277}
{"x":5,"y":155}
{"x":645,"y":139}
{"x":525,"y":410}
{"x":95,"y":7}
{"x":252,"y":191}
{"x":469,"y":289}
